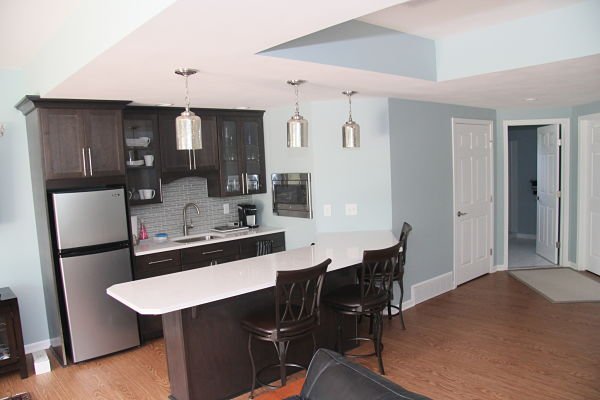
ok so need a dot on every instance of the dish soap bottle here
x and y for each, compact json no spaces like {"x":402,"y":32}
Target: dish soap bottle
{"x":143,"y":235}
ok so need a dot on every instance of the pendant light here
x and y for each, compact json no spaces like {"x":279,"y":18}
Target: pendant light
{"x":297,"y":126}
{"x":350,"y":130}
{"x":188,"y":125}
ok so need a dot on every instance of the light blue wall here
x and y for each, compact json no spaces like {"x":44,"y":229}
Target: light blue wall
{"x":573,"y":31}
{"x":421,"y":176}
{"x":532,"y":114}
{"x":526,"y":138}
{"x":340,"y":176}
{"x":20,"y":262}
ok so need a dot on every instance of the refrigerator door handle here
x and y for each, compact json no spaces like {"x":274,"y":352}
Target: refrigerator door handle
{"x":90,"y":160}
{"x":84,"y":161}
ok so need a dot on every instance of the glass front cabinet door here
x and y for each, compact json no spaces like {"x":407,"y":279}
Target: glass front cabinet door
{"x":241,"y":146}
{"x":142,"y":157}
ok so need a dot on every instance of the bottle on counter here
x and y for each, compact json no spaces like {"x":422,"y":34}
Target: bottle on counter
{"x":143,"y":235}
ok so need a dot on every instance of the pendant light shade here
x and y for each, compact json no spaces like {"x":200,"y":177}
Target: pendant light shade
{"x":350,"y":130}
{"x":297,"y":126}
{"x":188,"y":126}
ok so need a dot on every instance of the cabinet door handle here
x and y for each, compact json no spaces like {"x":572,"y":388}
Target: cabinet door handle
{"x":212,"y":252}
{"x":160,"y":261}
{"x":190,"y":158}
{"x":194,"y":153}
{"x":243,"y":184}
{"x":246,"y":180}
{"x":90,"y":160}
{"x":160,"y":189}
{"x":84,"y":161}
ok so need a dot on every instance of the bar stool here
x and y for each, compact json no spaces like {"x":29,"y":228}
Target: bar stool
{"x":297,"y":301}
{"x":367,"y":298}
{"x":399,"y":275}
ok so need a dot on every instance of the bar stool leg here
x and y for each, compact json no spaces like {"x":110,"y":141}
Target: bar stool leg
{"x":378,"y":332}
{"x":339,"y":344}
{"x":282,"y":356}
{"x":400,"y":304}
{"x":253,"y":366}
{"x":314,"y":339}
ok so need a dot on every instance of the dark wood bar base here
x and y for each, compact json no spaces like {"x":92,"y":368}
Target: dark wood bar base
{"x":207,"y":350}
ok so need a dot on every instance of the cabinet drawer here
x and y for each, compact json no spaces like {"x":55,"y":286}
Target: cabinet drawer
{"x":198,"y":255}
{"x":157,"y":264}
{"x":248,"y":246}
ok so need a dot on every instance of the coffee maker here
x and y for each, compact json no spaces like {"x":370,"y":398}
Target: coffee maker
{"x":247,"y":214}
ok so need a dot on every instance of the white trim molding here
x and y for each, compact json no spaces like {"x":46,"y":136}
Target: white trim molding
{"x":431,"y":288}
{"x":565,"y":125}
{"x":37,"y":346}
{"x":583,"y":169}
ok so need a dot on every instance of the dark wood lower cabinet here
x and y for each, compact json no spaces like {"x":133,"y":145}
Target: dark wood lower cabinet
{"x":168,"y":262}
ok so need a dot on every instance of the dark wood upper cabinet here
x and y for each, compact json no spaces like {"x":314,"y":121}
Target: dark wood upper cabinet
{"x":63,"y":143}
{"x":104,"y":139}
{"x":81,"y":140}
{"x":241,"y":155}
{"x":181,"y":163}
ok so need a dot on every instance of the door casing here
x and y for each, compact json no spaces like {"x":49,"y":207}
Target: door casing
{"x":565,"y":126}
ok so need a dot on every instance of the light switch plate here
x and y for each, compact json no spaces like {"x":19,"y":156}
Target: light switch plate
{"x":226,"y":208}
{"x":327,"y":210}
{"x":351,"y":209}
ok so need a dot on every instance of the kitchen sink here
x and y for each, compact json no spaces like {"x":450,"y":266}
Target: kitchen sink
{"x":195,"y":239}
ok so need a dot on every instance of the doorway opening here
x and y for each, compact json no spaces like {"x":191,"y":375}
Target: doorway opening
{"x":536,"y":215}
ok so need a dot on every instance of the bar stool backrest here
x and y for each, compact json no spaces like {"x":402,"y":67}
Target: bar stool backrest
{"x":298,"y":298}
{"x":406,"y":228}
{"x":381,"y":264}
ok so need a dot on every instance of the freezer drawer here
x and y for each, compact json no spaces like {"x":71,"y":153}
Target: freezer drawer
{"x":89,"y":218}
{"x":97,"y":323}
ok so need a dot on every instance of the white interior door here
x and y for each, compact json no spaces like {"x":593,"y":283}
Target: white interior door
{"x":548,"y":196}
{"x":472,"y":198}
{"x":591,"y":259}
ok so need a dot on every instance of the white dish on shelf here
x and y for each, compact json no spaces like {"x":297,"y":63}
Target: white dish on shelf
{"x":136,"y":163}
{"x":138,"y":142}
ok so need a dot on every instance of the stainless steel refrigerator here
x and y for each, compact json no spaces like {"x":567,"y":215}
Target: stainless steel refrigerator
{"x":92,"y":245}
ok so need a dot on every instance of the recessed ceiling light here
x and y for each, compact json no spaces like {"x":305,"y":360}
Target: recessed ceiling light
{"x":530,"y":99}
{"x":242,"y":108}
{"x":164,"y":104}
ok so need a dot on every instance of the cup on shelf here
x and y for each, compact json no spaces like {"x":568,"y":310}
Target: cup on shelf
{"x":146,"y":194}
{"x":149,"y":160}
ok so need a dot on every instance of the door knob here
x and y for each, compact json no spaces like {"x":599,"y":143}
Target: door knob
{"x":460,"y":214}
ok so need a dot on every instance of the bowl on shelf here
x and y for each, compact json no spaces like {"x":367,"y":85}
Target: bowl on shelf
{"x":135,"y":163}
{"x":143,"y":141}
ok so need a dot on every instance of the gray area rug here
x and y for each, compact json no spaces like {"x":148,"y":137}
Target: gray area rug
{"x":560,"y":285}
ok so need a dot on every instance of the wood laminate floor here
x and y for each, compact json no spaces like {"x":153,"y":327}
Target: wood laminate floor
{"x":492,"y":338}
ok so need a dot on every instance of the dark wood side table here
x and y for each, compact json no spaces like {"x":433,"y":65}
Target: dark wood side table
{"x":12,"y":350}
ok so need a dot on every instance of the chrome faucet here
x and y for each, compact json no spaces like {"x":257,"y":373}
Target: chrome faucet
{"x":187,"y":226}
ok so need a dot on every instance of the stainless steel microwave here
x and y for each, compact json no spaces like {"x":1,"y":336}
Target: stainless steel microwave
{"x":291,"y":195}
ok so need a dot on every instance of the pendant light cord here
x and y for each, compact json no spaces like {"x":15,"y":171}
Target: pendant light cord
{"x":350,"y":104}
{"x":187,"y":96}
{"x":297,"y":107}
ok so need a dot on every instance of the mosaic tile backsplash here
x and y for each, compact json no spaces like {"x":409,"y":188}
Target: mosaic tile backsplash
{"x":167,"y":216}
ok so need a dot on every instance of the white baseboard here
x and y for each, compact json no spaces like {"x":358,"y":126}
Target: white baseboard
{"x":37,"y":346}
{"x":525,"y":236}
{"x":431,"y":288}
{"x":500,"y":267}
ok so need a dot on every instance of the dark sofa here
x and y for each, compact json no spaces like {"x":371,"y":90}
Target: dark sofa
{"x":331,"y":376}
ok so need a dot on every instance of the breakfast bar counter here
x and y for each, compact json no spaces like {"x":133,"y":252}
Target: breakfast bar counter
{"x":202,"y":310}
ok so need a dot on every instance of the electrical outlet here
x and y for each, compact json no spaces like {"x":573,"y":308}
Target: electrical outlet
{"x":351,"y":209}
{"x":327,"y":210}
{"x":226,"y":208}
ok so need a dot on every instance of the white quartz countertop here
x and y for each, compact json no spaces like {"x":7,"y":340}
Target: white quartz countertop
{"x":172,"y":292}
{"x":150,"y":246}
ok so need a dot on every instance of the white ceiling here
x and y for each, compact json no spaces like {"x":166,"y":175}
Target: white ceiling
{"x":436,"y":19}
{"x":221,"y":39}
{"x":25,"y":25}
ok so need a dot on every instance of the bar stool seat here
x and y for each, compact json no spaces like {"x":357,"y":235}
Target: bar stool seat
{"x":264,"y":324}
{"x":348,"y":298}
